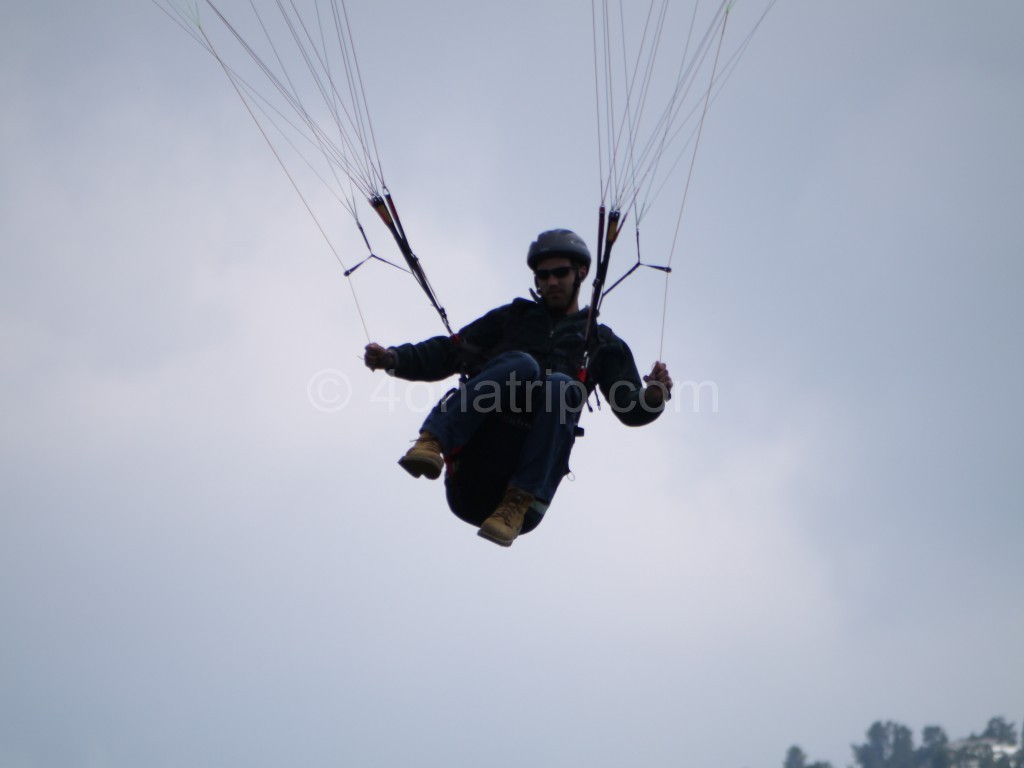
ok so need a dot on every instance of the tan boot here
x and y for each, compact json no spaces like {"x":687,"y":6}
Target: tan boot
{"x":504,"y":525}
{"x":424,"y":458}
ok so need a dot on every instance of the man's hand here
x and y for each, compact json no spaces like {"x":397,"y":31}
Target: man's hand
{"x":377,"y":357}
{"x":659,"y":386}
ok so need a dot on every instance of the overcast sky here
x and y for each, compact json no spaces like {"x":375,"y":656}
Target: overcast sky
{"x":206,"y":560}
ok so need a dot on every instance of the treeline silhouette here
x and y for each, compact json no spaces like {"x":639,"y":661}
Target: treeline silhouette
{"x":891,"y":745}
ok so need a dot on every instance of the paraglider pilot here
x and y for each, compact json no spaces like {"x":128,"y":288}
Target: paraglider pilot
{"x":526,"y":358}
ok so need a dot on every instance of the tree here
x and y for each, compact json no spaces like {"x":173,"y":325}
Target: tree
{"x":933,"y":737}
{"x":933,"y":752}
{"x":889,"y":745}
{"x":872,"y":754}
{"x":1001,"y":731}
{"x":795,"y":758}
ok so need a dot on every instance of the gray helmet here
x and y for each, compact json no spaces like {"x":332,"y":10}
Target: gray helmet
{"x":558,"y":242}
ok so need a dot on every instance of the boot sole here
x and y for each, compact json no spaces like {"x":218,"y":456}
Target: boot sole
{"x":490,"y":537}
{"x":418,"y":468}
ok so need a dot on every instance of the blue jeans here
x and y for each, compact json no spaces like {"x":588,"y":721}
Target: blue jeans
{"x":513,"y":383}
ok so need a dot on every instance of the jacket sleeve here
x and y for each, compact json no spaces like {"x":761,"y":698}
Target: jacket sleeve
{"x":442,"y":356}
{"x":621,"y":385}
{"x":430,"y":360}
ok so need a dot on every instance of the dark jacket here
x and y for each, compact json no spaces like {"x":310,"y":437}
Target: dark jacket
{"x":555,"y":342}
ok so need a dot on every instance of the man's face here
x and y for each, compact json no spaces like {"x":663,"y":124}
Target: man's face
{"x":556,"y":282}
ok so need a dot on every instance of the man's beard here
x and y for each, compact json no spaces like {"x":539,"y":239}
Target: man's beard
{"x":560,"y":301}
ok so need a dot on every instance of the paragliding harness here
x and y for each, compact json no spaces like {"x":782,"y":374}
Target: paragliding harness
{"x":478,"y":472}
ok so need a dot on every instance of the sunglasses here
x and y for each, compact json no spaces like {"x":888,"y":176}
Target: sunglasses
{"x":558,"y":272}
